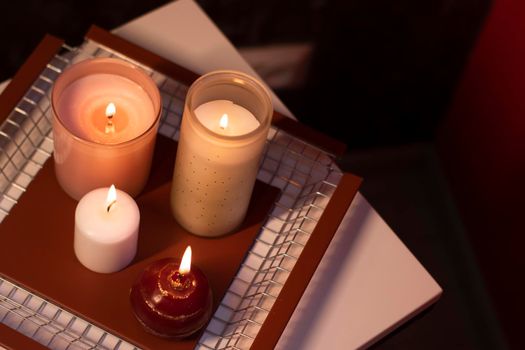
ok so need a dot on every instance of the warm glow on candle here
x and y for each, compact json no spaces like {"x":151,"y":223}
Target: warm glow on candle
{"x":185,"y":264}
{"x":223,"y":123}
{"x":111,"y":198}
{"x":111,"y":110}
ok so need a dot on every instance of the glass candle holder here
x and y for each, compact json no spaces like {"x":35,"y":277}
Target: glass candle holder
{"x":106,"y":114}
{"x":226,"y":119}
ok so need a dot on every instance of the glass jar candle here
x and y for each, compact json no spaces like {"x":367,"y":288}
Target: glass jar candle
{"x":106,"y":114}
{"x":226,"y":119}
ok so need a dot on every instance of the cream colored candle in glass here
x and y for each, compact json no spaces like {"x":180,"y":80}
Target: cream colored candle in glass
{"x":225,"y":124}
{"x":105,"y":118}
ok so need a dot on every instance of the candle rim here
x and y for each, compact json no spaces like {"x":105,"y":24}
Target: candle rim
{"x":263,"y":125}
{"x":127,"y":65}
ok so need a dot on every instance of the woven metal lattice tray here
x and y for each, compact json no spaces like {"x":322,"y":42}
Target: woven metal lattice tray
{"x":315,"y":195}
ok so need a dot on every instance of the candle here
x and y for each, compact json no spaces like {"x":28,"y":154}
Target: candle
{"x":226,"y":118}
{"x":172,"y":299}
{"x":105,"y":116}
{"x":106,"y":230}
{"x":88,"y":107}
{"x":224,"y":127}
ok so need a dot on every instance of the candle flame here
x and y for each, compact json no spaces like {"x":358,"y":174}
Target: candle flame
{"x":111,"y":110}
{"x":185,"y":264}
{"x":111,"y":199}
{"x":223,"y":123}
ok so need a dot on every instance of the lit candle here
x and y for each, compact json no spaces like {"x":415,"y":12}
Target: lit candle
{"x":106,"y":230}
{"x":105,"y":116}
{"x":172,"y":299}
{"x":226,"y":118}
{"x":225,"y":123}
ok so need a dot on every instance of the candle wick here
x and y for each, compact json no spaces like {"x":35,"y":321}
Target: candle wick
{"x":110,"y":128}
{"x":110,"y":205}
{"x":179,"y":281}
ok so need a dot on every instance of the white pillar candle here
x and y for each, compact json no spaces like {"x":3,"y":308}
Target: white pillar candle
{"x":225,"y":123}
{"x":106,"y":230}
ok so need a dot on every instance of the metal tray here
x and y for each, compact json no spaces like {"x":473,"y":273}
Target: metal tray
{"x":306,"y":174}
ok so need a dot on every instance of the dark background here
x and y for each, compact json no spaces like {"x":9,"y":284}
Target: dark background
{"x":391,"y":69}
{"x":387,"y":67}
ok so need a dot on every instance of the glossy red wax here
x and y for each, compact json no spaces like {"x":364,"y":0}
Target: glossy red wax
{"x":170,"y":304}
